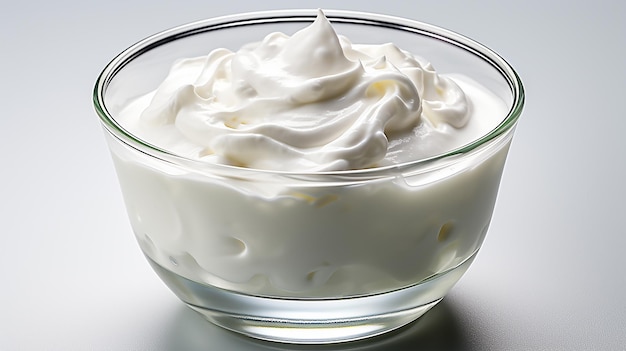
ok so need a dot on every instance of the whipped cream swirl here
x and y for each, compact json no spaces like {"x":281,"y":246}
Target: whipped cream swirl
{"x":312,"y":101}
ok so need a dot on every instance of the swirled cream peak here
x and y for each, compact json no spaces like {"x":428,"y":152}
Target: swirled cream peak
{"x":312,"y":101}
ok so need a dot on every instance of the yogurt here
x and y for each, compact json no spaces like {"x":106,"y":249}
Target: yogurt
{"x":311,"y":102}
{"x":277,"y":134}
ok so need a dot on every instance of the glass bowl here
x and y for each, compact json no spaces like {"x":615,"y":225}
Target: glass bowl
{"x":308,"y":257}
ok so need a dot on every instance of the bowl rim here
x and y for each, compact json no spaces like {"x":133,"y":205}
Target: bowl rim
{"x":307,"y":15}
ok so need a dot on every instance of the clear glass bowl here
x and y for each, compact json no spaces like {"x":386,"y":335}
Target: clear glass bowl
{"x":308,"y":257}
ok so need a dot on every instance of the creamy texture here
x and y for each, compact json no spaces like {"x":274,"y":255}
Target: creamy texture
{"x":310,"y":102}
{"x":312,"y":240}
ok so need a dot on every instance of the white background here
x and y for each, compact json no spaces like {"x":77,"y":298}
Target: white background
{"x":549,"y":277}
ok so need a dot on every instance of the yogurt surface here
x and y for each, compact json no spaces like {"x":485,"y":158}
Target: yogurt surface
{"x":312,"y":101}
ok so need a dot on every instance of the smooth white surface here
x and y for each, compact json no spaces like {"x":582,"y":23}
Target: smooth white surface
{"x":550,"y":275}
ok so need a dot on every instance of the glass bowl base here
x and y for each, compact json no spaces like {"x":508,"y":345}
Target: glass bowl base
{"x":313,"y":331}
{"x":312,"y":321}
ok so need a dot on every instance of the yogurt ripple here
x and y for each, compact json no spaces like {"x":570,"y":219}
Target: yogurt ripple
{"x":312,"y":101}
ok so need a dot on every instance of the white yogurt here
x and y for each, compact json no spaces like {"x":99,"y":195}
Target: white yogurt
{"x":311,"y":102}
{"x":345,"y":107}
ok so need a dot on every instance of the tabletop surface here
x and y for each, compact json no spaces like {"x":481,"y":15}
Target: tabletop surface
{"x":549,"y":276}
